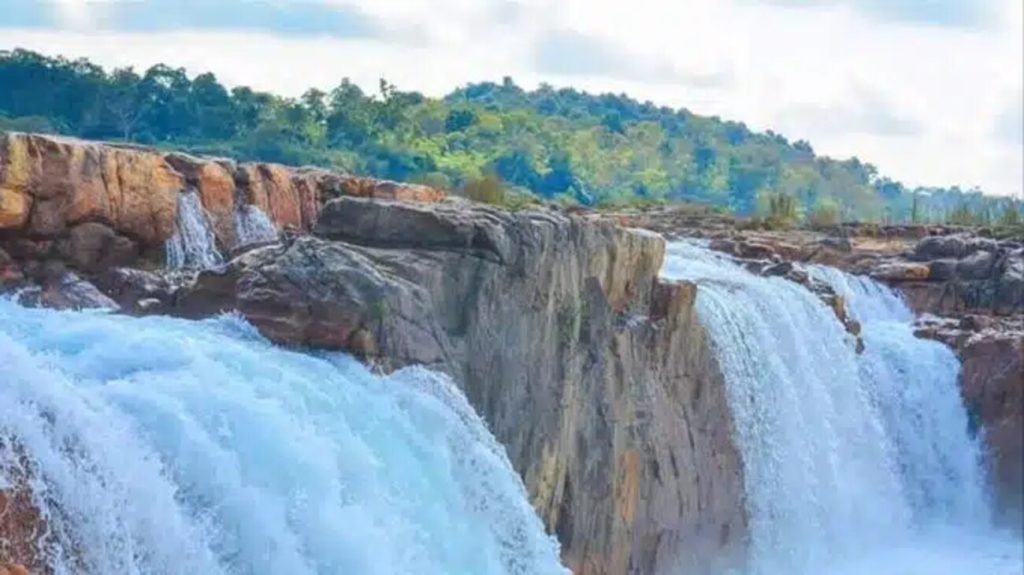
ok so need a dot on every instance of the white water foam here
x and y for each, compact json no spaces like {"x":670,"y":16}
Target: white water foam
{"x":160,"y":446}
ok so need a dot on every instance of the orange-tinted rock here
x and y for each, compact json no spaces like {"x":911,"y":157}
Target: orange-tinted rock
{"x":215,"y":182}
{"x":14,"y":208}
{"x":50,"y":186}
{"x":388,"y":190}
{"x":901,"y":271}
{"x":71,"y":181}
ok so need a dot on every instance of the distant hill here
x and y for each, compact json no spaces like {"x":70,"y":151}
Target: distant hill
{"x":556,"y":143}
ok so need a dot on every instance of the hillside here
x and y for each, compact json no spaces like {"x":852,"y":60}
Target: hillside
{"x":556,"y":143}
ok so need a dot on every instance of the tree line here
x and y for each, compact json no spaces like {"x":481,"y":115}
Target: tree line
{"x":560,"y":144}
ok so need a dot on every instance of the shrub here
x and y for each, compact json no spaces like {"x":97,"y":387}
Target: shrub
{"x":825,"y":214}
{"x":488,"y":189}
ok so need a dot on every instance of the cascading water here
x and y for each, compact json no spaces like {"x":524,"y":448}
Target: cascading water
{"x":166,"y":446}
{"x":193,"y":244}
{"x":853,"y":464}
{"x":252,"y":226}
{"x":914,"y":383}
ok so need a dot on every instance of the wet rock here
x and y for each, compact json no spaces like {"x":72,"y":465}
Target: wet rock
{"x":143,"y":292}
{"x":68,"y":292}
{"x":23,"y":525}
{"x":10,"y":272}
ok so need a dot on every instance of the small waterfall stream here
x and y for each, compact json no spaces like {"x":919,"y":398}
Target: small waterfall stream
{"x":162,"y":446}
{"x":252,"y":226}
{"x":193,"y":244}
{"x":853,"y":464}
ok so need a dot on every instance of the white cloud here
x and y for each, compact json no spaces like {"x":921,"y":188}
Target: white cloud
{"x":917,"y":99}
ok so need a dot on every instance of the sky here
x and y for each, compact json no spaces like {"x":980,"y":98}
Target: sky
{"x":930,"y":91}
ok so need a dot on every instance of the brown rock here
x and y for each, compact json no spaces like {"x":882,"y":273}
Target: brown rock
{"x":270,"y":188}
{"x":14,"y":208}
{"x":992,"y":383}
{"x":23,"y":526}
{"x":71,"y":181}
{"x":93,"y":247}
{"x":901,"y":271}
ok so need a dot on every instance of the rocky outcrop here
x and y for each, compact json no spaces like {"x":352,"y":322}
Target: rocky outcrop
{"x":967,"y":274}
{"x":94,"y":206}
{"x":596,"y":377}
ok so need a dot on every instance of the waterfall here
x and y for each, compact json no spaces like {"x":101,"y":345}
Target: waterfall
{"x":853,"y":463}
{"x":252,"y":226}
{"x":160,"y":446}
{"x":915,"y":385}
{"x":193,"y":244}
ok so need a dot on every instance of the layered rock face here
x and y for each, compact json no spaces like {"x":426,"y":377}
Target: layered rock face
{"x":595,"y":376}
{"x":93,"y":206}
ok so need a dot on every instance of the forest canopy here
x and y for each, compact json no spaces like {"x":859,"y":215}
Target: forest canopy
{"x":555,"y":143}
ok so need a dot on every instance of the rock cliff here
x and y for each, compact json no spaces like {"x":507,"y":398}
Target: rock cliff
{"x":595,"y":376}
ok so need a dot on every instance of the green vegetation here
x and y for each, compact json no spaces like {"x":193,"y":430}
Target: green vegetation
{"x":492,"y":141}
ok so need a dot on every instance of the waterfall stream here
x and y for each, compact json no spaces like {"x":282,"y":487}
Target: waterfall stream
{"x":853,"y":463}
{"x":252,"y":226}
{"x":159,"y":446}
{"x":193,"y":244}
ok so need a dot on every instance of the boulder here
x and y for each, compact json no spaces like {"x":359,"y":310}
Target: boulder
{"x":144,"y":292}
{"x":93,"y":247}
{"x":976,"y":266}
{"x":936,"y":247}
{"x":67,"y":292}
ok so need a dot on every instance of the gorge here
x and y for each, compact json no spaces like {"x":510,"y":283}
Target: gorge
{"x":657,"y":407}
